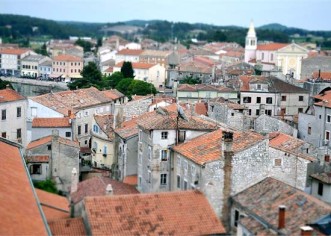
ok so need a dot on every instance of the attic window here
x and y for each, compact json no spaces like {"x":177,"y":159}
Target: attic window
{"x":258,"y":86}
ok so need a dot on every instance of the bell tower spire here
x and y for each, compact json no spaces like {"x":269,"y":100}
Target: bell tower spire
{"x":250,"y":43}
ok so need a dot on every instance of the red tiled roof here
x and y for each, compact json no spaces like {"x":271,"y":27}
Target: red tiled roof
{"x":325,"y":99}
{"x":113,"y":94}
{"x":325,"y":75}
{"x":263,"y":199}
{"x":71,"y":226}
{"x":128,"y":129}
{"x":66,"y":57}
{"x":48,"y":139}
{"x":9,"y":95}
{"x":137,"y":65}
{"x":39,"y":159}
{"x":130,"y":52}
{"x":14,"y":51}
{"x":208,"y":147}
{"x":171,"y":213}
{"x":105,"y":122}
{"x":131,"y":180}
{"x":203,"y":87}
{"x":271,"y":46}
{"x":201,"y":108}
{"x":54,"y":206}
{"x":109,"y":69}
{"x":51,"y":122}
{"x":19,"y":211}
{"x":96,"y":186}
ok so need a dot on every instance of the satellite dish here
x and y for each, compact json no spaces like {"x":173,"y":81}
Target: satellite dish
{"x":181,"y":113}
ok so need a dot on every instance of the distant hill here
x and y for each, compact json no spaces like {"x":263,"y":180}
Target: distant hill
{"x":18,"y":29}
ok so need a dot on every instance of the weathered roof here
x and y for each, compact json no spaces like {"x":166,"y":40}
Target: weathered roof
{"x":71,"y":226}
{"x":288,"y":144}
{"x":264,"y":198}
{"x":157,"y":121}
{"x":54,"y":206}
{"x":33,"y":58}
{"x":113,"y":94}
{"x":323,"y":75}
{"x":203,"y":87}
{"x":37,"y":159}
{"x":96,"y":186}
{"x":275,"y":85}
{"x":106,"y":122}
{"x":19,"y":212}
{"x":48,"y":139}
{"x":324,"y":99}
{"x":171,"y":213}
{"x":271,"y":46}
{"x":128,"y":129}
{"x":59,"y":122}
{"x":9,"y":95}
{"x":137,"y":65}
{"x":14,"y":51}
{"x":72,"y":100}
{"x":133,"y":52}
{"x":208,"y":147}
{"x":195,"y":67}
{"x":324,"y":177}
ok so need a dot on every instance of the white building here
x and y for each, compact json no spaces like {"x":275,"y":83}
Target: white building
{"x":128,"y":55}
{"x":11,"y":59}
{"x":13,"y":109}
{"x":31,"y":65}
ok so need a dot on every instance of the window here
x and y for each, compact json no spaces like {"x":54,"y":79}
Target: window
{"x":283,"y":98}
{"x":95,"y":128}
{"x":300,"y":98}
{"x":271,"y":57}
{"x":19,"y":133}
{"x":193,"y":170}
{"x":149,"y":153}
{"x":278,"y":162}
{"x":185,"y":184}
{"x":320,"y":189}
{"x":3,"y":115}
{"x":269,"y":100}
{"x":258,"y":86}
{"x":232,"y":113}
{"x":86,"y":128}
{"x":247,"y":99}
{"x":178,"y":181}
{"x":268,"y":112}
{"x":181,"y":136}
{"x":249,"y":112}
{"x":140,"y":135}
{"x":178,"y":162}
{"x":309,"y":130}
{"x":300,"y":110}
{"x":327,"y":135}
{"x":68,"y":134}
{"x":164,"y":155}
{"x":35,"y":169}
{"x":257,"y":112}
{"x":258,"y":100}
{"x":164,"y":135}
{"x":49,"y":147}
{"x":163,"y":179}
{"x":139,"y":181}
{"x":104,"y":151}
{"x":79,"y":130}
{"x":236,"y":217}
{"x":328,"y":118}
{"x":18,"y":112}
{"x":3,"y":135}
{"x":185,"y":167}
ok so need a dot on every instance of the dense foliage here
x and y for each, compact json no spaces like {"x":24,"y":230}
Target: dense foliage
{"x":84,"y":44}
{"x":190,"y":80}
{"x":129,"y":87}
{"x":127,"y":70}
{"x":47,"y":185}
{"x":3,"y":84}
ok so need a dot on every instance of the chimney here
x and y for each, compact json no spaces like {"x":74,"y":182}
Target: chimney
{"x":281,"y":217}
{"x":74,"y":180}
{"x":109,"y":190}
{"x":319,"y":73}
{"x":306,"y":230}
{"x":174,"y":88}
{"x":227,"y":154}
{"x":69,"y":113}
{"x":326,"y":158}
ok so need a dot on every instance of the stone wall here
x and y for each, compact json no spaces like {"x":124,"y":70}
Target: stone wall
{"x":309,"y":65}
{"x":135,"y":108}
{"x":267,"y":124}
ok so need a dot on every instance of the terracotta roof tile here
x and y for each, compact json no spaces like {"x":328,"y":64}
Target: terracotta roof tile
{"x":106,"y":122}
{"x":66,"y":57}
{"x":263,"y":199}
{"x":113,"y":94}
{"x":130,"y":52}
{"x":48,"y":139}
{"x":255,"y":227}
{"x":201,"y":108}
{"x":14,"y":51}
{"x":51,"y":122}
{"x":109,"y":69}
{"x":157,"y":121}
{"x":9,"y":95}
{"x":72,"y":100}
{"x":128,"y":129}
{"x":19,"y":208}
{"x":38,"y":159}
{"x":54,"y":206}
{"x":324,"y":75}
{"x":271,"y":46}
{"x":153,"y":214}
{"x":137,"y":65}
{"x":96,"y":186}
{"x":325,"y":99}
{"x":131,"y":180}
{"x":71,"y":226}
{"x":207,"y":147}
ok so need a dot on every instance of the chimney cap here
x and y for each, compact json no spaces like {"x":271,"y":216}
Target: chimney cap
{"x":306,"y":228}
{"x":282,"y":207}
{"x":74,"y":171}
{"x":109,"y":188}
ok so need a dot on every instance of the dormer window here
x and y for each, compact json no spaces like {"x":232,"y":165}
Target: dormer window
{"x":258,"y":87}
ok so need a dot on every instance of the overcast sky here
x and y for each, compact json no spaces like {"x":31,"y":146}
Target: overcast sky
{"x":306,"y":14}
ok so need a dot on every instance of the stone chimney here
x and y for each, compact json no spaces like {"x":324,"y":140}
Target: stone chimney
{"x":174,"y":89}
{"x":281,"y":216}
{"x":74,"y":180}
{"x":109,"y":190}
{"x":306,"y":231}
{"x":227,"y":154}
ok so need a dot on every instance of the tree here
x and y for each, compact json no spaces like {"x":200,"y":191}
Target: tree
{"x":127,"y":70}
{"x":123,"y":86}
{"x":42,"y":50}
{"x":91,"y":77}
{"x":112,"y":80}
{"x":47,"y":185}
{"x":3,"y":84}
{"x":139,"y":87}
{"x":190,"y":80}
{"x":84,"y":44}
